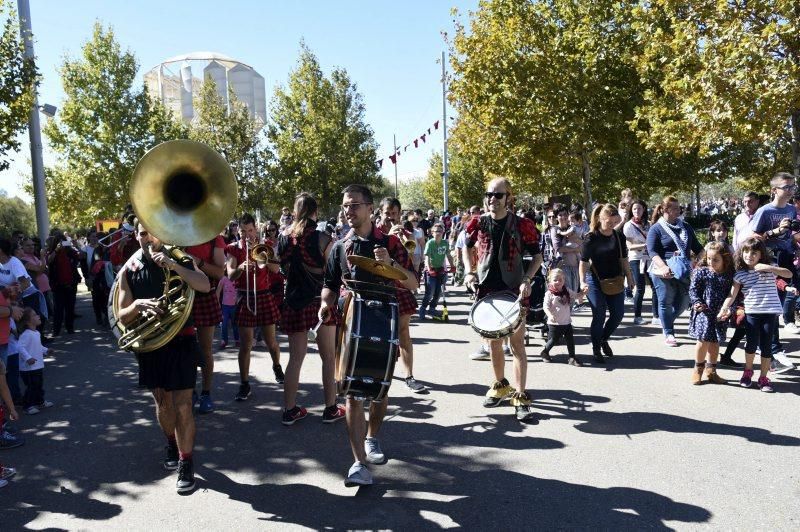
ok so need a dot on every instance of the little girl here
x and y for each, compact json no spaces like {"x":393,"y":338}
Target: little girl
{"x":711,"y":282}
{"x":718,"y":232}
{"x":31,"y":362}
{"x":227,"y":289}
{"x":557,"y":306}
{"x":755,"y":276}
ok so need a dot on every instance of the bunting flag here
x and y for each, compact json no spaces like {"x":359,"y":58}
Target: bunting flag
{"x":404,"y":149}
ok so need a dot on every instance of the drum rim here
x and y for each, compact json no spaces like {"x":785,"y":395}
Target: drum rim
{"x":505,"y":331}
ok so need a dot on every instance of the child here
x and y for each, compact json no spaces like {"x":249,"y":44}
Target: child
{"x":227,"y":288}
{"x":436,"y":251}
{"x":7,"y":440}
{"x":31,"y":362}
{"x":557,"y":305}
{"x":718,"y":232}
{"x":755,"y":276}
{"x":711,"y":282}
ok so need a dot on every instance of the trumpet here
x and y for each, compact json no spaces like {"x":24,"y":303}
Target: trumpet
{"x":409,"y":243}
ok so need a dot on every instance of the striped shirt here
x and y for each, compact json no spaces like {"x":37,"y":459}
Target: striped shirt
{"x":760,"y":292}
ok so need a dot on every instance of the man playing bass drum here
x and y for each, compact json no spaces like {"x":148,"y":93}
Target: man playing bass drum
{"x":170,"y":371}
{"x":503,"y":238}
{"x":366,"y":240}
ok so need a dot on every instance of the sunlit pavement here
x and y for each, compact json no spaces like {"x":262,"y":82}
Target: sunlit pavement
{"x":631,"y":444}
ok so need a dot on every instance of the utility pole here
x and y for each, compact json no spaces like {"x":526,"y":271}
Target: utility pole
{"x":34,"y":131}
{"x":445,"y":172}
{"x":394,"y":155}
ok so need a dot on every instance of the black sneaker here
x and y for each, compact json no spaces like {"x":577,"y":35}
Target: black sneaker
{"x":295,"y":414}
{"x":279,"y":376}
{"x":171,"y":461}
{"x":9,"y":441}
{"x":522,"y":406}
{"x":498,"y":392}
{"x":729,"y":362}
{"x":243,"y":393}
{"x":185,"y":476}
{"x":606,"y":349}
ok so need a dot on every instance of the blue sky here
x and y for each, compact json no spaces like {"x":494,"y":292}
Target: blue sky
{"x":390,"y":49}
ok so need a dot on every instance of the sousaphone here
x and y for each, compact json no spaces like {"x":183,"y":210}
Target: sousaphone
{"x":184,"y":193}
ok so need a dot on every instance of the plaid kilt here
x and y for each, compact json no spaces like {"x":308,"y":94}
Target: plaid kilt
{"x":267,"y":312}
{"x":305,"y":319}
{"x":406,"y":302}
{"x":206,"y":311}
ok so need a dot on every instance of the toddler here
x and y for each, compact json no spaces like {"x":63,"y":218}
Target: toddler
{"x":557,"y":306}
{"x":31,"y":362}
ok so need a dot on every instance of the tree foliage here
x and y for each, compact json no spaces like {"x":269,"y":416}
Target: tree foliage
{"x":411,"y":194}
{"x":15,"y":214}
{"x":723,"y":75}
{"x":543,"y":86}
{"x":104,"y":127}
{"x":234,"y":134}
{"x":18,"y":80}
{"x":318,"y":135}
{"x":465,"y":184}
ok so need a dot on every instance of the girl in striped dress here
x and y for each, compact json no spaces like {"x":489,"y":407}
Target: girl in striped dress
{"x":756,"y":278}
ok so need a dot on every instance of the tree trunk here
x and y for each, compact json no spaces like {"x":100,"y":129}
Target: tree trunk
{"x":587,"y":181}
{"x":796,"y":142}
{"x":697,"y":198}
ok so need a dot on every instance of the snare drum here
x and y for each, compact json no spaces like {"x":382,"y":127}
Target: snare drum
{"x":497,"y":315}
{"x":367,"y":345}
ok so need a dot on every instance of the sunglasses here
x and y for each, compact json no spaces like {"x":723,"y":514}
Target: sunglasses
{"x":788,"y":187}
{"x":496,"y":195}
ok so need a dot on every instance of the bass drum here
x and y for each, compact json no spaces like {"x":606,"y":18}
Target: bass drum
{"x":497,"y":315}
{"x":113,"y":308}
{"x":366,"y":348}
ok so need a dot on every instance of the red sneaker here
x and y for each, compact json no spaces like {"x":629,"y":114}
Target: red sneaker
{"x":333,"y":413}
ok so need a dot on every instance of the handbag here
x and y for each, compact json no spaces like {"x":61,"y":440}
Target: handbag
{"x":613,"y":285}
{"x":680,"y":266}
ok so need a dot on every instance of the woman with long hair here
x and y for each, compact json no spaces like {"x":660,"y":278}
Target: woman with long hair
{"x":603,"y":268}
{"x":670,"y":237}
{"x":303,"y":251}
{"x":635,"y":231}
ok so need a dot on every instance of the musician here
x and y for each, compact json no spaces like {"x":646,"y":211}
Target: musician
{"x":169,"y":372}
{"x":207,"y":312}
{"x":303,"y":250}
{"x":367,"y":240}
{"x":255,"y":305}
{"x":503,"y":238}
{"x":390,"y":215}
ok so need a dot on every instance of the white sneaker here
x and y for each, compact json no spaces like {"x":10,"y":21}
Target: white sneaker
{"x":480,"y":354}
{"x":780,"y":363}
{"x":358,"y":475}
{"x":656,"y":322}
{"x":46,"y":404}
{"x":629,"y":301}
{"x":791,"y":327}
{"x":31,"y":410}
{"x":373,"y":449}
{"x":638,"y":320}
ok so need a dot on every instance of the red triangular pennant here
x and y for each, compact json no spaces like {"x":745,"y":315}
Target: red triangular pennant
{"x":380,"y":164}
{"x":416,"y":143}
{"x":422,"y":137}
{"x":393,"y":158}
{"x":429,"y":131}
{"x":436,"y":125}
{"x":405,"y":147}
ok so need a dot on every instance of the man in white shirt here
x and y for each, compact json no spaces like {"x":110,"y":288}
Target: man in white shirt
{"x":741,"y":224}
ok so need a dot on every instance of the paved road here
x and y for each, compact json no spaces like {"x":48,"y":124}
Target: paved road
{"x":628,"y":445}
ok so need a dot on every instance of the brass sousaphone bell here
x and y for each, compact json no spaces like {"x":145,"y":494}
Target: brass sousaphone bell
{"x":184,"y":193}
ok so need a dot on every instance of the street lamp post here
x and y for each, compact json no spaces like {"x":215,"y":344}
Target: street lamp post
{"x":34,"y":131}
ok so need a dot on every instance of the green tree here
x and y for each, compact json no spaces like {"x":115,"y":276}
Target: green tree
{"x":465,"y":184}
{"x":542,"y":86}
{"x":15,"y":214}
{"x":318,"y":135}
{"x":722,"y":75}
{"x":411,"y":194}
{"x":18,"y":80}
{"x":233,"y":133}
{"x":104,"y":127}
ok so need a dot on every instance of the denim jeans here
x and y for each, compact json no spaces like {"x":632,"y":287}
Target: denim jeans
{"x":229,"y":317}
{"x":12,"y":372}
{"x":433,"y":291}
{"x":640,"y":279}
{"x":601,"y":328}
{"x":673,"y":299}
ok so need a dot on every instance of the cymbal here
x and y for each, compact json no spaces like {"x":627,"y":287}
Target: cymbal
{"x":378,"y":268}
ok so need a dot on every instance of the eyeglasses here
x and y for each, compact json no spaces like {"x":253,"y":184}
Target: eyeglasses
{"x":788,"y":187}
{"x":496,"y":195}
{"x":351,"y":206}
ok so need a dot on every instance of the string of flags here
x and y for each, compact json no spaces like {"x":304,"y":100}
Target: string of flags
{"x":416,"y":142}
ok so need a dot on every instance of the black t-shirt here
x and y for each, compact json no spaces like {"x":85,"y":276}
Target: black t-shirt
{"x":604,"y":252}
{"x":426,"y":225}
{"x":494,"y":279}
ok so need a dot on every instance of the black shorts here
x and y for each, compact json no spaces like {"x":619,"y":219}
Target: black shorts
{"x":172,"y":367}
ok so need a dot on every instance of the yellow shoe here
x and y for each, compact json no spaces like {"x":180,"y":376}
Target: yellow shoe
{"x":497,"y":393}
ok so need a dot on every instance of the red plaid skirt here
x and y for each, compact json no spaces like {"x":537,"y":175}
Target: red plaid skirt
{"x":267,"y":312}
{"x":406,"y":302}
{"x":206,"y":311}
{"x":305,"y":319}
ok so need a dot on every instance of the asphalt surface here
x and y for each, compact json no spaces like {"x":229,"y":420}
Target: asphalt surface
{"x":627,"y":445}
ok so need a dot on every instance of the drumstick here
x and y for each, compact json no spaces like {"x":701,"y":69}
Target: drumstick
{"x":312,"y":334}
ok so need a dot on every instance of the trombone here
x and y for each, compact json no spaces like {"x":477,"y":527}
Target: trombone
{"x":127,"y":231}
{"x":261,"y":254}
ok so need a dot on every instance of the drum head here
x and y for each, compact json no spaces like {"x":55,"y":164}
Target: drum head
{"x":345,"y":336}
{"x":496,"y":315}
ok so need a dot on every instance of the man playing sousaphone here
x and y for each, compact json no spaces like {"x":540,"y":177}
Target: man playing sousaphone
{"x":169,"y":372}
{"x":503,"y":238}
{"x":366,"y":240}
